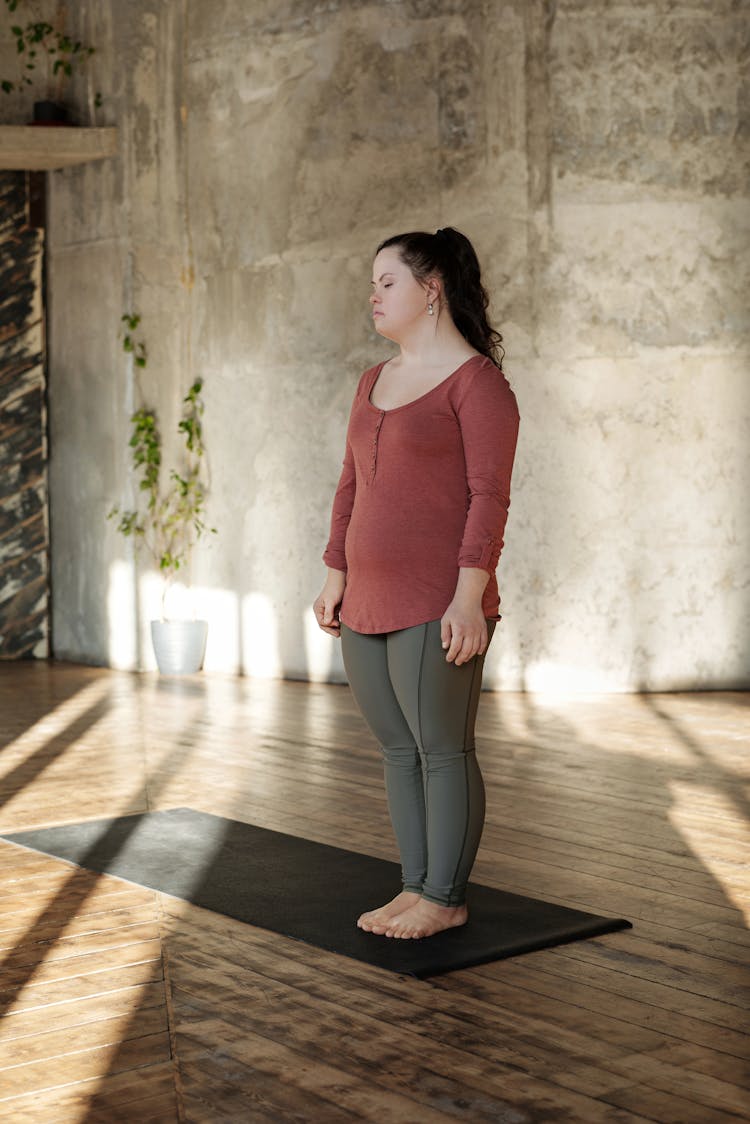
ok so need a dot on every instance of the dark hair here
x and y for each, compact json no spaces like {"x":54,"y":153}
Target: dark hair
{"x":449,"y":253}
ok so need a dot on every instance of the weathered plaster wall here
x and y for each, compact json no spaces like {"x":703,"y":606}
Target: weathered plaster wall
{"x":596,"y":153}
{"x":643,"y":352}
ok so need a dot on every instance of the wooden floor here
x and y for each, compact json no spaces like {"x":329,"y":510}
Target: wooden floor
{"x":120,"y":1004}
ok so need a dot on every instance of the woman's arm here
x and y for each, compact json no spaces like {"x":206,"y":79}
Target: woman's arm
{"x":334,"y":556}
{"x":343,"y":502}
{"x":471,"y":585}
{"x":488,"y":416}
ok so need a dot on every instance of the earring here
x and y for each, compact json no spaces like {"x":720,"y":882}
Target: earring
{"x":429,"y":309}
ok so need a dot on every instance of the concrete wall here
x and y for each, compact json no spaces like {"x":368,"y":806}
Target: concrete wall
{"x":596,"y":154}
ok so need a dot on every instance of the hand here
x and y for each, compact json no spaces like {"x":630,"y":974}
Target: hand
{"x":463,"y":631}
{"x":326,"y":604}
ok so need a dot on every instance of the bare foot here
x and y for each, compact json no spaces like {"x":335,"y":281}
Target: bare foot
{"x":377,"y":920}
{"x":424,"y":919}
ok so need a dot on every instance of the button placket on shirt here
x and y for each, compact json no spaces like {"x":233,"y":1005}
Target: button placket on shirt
{"x":375,"y":436}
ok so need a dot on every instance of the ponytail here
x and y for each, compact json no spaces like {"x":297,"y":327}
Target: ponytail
{"x":450,"y":254}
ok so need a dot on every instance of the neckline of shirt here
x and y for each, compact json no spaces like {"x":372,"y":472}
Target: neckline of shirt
{"x":421,"y":397}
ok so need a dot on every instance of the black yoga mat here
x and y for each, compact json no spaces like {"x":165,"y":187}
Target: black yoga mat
{"x":302,"y":889}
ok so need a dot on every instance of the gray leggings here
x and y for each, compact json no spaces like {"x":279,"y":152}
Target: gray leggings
{"x":422,"y":710}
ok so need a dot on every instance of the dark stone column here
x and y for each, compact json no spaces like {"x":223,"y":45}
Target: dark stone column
{"x":24,"y":537}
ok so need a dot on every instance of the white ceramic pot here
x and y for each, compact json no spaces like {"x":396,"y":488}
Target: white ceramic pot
{"x":179,"y":646}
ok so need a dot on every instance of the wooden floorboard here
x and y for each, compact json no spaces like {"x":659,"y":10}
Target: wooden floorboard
{"x":119,"y":1003}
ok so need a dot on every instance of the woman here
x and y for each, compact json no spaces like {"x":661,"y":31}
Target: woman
{"x":416,"y":533}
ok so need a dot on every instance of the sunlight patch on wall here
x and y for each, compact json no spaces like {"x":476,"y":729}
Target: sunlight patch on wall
{"x":242,"y":633}
{"x":318,"y":649}
{"x":121,"y":616}
{"x":221,"y":608}
{"x":260,"y":640}
{"x":548,"y":677}
{"x":150,"y":589}
{"x":503,"y":669}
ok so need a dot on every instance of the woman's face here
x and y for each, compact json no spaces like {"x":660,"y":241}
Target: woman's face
{"x":398,"y":300}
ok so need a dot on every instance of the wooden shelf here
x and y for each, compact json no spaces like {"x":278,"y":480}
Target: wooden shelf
{"x":37,"y":148}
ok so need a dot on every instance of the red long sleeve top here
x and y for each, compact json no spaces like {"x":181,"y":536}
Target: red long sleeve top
{"x":425,"y":490}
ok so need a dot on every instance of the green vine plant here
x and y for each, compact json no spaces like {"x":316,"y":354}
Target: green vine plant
{"x":61,"y":53}
{"x":132,"y":346}
{"x":169,"y":523}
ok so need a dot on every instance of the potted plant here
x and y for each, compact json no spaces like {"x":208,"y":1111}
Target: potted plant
{"x":61,"y":53}
{"x":169,"y":522}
